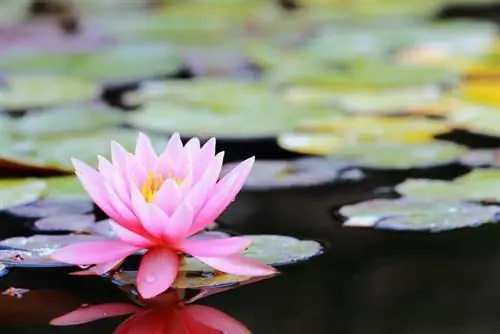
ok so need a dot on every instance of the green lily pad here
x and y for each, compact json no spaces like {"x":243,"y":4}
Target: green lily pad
{"x":400,"y":155}
{"x":64,"y":187}
{"x":52,"y":207}
{"x":54,"y":153}
{"x":418,"y":214}
{"x":64,"y":121}
{"x":19,"y":192}
{"x":275,"y":250}
{"x":35,"y":91}
{"x":127,"y":62}
{"x":482,"y":158}
{"x":477,"y":119}
{"x":362,"y":76}
{"x":478,"y":185}
{"x":38,"y":249}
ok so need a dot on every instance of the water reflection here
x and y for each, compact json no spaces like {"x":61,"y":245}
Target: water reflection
{"x":170,"y":312}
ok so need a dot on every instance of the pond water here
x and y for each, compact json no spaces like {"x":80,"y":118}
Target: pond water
{"x":366,"y":281}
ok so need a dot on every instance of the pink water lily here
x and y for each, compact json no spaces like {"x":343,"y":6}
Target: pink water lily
{"x":157,"y":203}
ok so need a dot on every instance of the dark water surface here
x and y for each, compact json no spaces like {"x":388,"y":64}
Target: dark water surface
{"x":367,"y":281}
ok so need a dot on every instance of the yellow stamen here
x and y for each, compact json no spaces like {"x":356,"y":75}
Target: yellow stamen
{"x":154,"y":182}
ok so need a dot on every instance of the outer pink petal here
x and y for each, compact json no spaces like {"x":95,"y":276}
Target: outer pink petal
{"x":152,"y":218}
{"x":225,"y":192}
{"x":194,"y":326}
{"x":157,"y":272}
{"x":145,"y":322}
{"x":145,"y":153}
{"x":207,"y":152}
{"x":237,"y":264}
{"x":192,"y":148}
{"x":117,"y":181}
{"x":215,"y":247}
{"x":168,"y":197}
{"x":94,"y":252}
{"x":174,"y":147}
{"x":92,"y":182}
{"x":91,"y":313}
{"x":179,"y":224}
{"x":214,"y":206}
{"x":215,"y":319}
{"x":130,"y":237}
{"x":119,"y":157}
{"x":128,"y":217}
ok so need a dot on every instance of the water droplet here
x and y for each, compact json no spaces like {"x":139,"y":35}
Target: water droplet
{"x":150,"y":279}
{"x":84,"y":266}
{"x":84,"y":305}
{"x":19,"y":257}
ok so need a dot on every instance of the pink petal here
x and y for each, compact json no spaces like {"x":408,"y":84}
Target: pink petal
{"x":215,"y":319}
{"x":91,"y":313}
{"x":119,"y":157}
{"x":215,"y":247}
{"x":206,"y":153}
{"x":237,"y":264}
{"x":179,"y":224}
{"x":192,"y":148}
{"x":193,"y":326}
{"x":102,"y":268}
{"x":168,"y":197}
{"x":87,"y":253}
{"x":152,"y":218}
{"x":145,"y":322}
{"x":92,"y":182}
{"x":128,"y":217}
{"x":130,"y":237}
{"x":198,"y":194}
{"x":112,"y":175}
{"x":157,"y":272}
{"x":174,"y":147}
{"x":214,"y":206}
{"x":145,"y":153}
{"x":225,"y":192}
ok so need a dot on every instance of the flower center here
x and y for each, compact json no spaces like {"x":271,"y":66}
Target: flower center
{"x":154,"y":182}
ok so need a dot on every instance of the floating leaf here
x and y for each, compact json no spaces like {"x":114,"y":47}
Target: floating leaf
{"x":54,"y":153}
{"x":75,"y":223}
{"x":275,"y":250}
{"x":18,"y":192}
{"x":402,"y":129}
{"x":477,"y":118}
{"x":417,"y":214}
{"x":39,"y":249}
{"x":311,"y":143}
{"x":68,"y":120}
{"x":64,"y":188}
{"x":50,"y":207}
{"x":478,"y":185}
{"x":400,"y":155}
{"x":35,"y":91}
{"x":269,"y":174}
{"x":482,"y":158}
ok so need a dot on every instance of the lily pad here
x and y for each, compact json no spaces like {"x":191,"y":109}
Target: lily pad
{"x":51,"y":207}
{"x":18,"y":192}
{"x":68,"y":120}
{"x":418,"y":214}
{"x":275,"y":250}
{"x":269,"y":174}
{"x":39,"y":249}
{"x":75,"y":223}
{"x":23,"y":92}
{"x":400,"y":155}
{"x":370,"y":128}
{"x":55,"y":153}
{"x":478,"y":185}
{"x":482,"y":158}
{"x":117,"y":64}
{"x":311,"y":143}
{"x":477,"y":119}
{"x":64,"y":188}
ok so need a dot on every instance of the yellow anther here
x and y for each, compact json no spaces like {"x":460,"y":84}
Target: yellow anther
{"x":153,"y":184}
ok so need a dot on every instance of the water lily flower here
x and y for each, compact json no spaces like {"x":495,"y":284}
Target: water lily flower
{"x":157,"y":202}
{"x":166,"y":313}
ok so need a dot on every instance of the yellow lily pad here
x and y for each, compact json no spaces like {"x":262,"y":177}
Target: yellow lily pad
{"x":19,"y":192}
{"x":482,"y":92}
{"x":407,"y":129}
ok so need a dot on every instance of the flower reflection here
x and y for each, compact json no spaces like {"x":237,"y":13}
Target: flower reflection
{"x":167,"y":313}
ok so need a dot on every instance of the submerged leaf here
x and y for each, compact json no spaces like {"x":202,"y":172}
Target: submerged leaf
{"x":418,"y":214}
{"x":75,"y":223}
{"x":52,"y":207}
